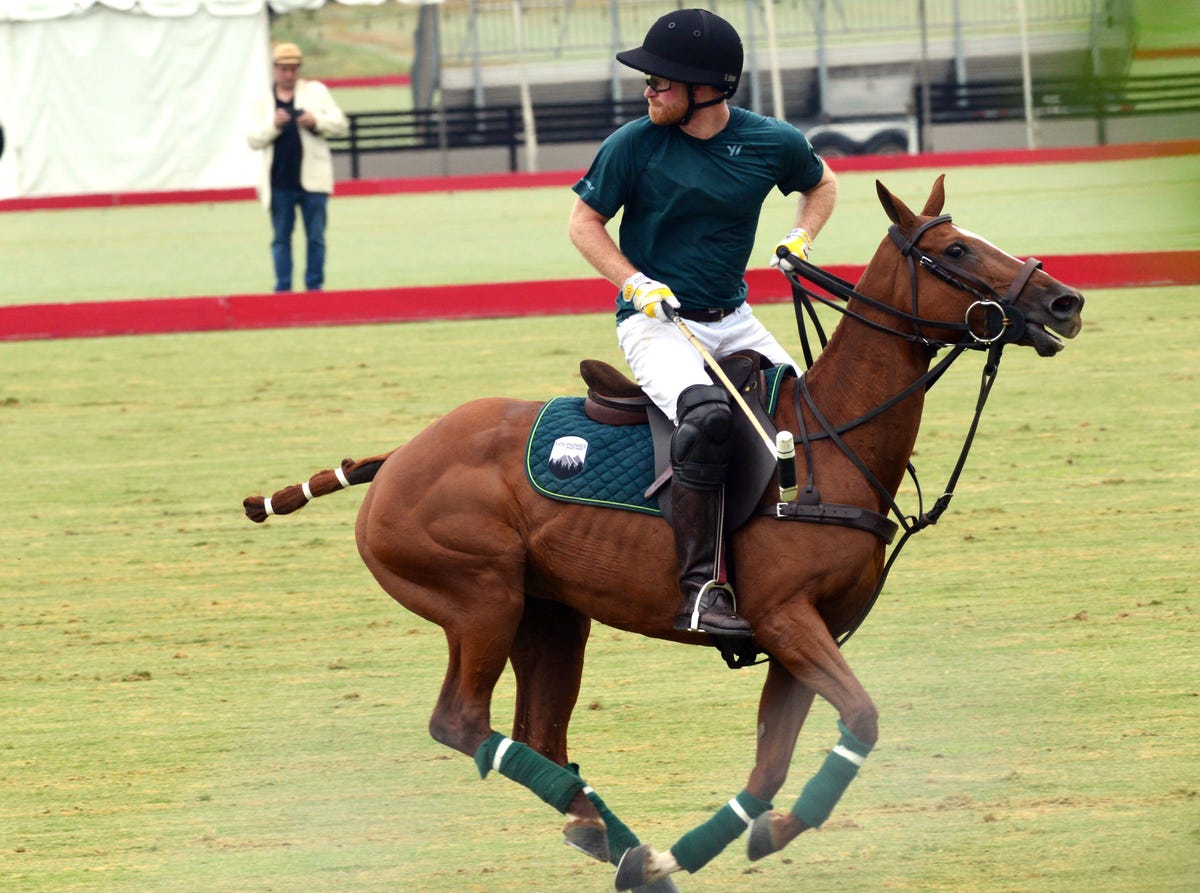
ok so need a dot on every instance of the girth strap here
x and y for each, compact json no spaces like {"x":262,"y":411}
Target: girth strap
{"x":834,"y":513}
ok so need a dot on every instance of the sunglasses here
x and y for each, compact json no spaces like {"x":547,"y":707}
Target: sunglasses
{"x":657,"y":84}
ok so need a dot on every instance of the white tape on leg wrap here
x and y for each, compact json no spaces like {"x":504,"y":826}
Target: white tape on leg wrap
{"x":341,"y":476}
{"x":267,"y":506}
{"x":741,"y":813}
{"x":847,"y":754}
{"x":500,"y":752}
{"x":307,"y":490}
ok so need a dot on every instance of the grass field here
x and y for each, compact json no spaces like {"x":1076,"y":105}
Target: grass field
{"x":194,"y":702}
{"x":515,"y":235}
{"x":191,"y":702}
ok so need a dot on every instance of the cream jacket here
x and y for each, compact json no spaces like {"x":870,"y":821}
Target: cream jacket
{"x":316,"y":164}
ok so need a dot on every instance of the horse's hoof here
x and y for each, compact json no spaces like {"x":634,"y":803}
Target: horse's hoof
{"x":662,"y":885}
{"x":590,"y":838}
{"x":761,"y":843}
{"x":631,"y":870}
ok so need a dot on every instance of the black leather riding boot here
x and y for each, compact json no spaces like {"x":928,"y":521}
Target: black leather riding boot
{"x":707,"y":605}
{"x":699,"y":460}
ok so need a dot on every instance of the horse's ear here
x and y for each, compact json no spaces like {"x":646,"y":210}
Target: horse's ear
{"x":896,"y":209}
{"x":937,"y":197}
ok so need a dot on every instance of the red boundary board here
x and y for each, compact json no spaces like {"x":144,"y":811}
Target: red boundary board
{"x":386,"y":305}
{"x":231,"y":312}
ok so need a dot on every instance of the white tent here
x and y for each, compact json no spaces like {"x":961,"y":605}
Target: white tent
{"x":101,"y":96}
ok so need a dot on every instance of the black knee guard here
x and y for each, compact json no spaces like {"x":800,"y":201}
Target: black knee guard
{"x":700,"y":445}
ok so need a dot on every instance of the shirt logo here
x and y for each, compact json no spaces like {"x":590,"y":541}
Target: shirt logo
{"x":733,"y":150}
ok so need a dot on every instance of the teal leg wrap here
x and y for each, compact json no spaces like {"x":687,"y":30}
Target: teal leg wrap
{"x":487,"y":753}
{"x":825,"y":788}
{"x":554,"y":784}
{"x":701,"y":845}
{"x":620,"y":838}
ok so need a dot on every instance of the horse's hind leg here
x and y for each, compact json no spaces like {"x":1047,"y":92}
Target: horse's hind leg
{"x":480,"y":643}
{"x":547,"y":658}
{"x":481,"y":634}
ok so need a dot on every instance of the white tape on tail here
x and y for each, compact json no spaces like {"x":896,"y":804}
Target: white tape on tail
{"x":341,"y":476}
{"x":267,"y":506}
{"x":307,"y":490}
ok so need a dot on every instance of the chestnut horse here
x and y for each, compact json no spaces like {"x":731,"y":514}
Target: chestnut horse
{"x":453,"y":531}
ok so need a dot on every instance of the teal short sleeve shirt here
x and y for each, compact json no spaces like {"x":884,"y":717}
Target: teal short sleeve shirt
{"x":691,"y":206}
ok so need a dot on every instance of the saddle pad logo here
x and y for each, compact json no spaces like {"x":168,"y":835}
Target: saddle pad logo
{"x":567,"y":457}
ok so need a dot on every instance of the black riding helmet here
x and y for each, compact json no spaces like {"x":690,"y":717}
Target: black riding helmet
{"x":691,"y":46}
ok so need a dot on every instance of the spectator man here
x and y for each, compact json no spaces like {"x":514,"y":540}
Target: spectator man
{"x":291,"y":127}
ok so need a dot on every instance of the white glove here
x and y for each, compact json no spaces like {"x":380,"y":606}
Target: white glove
{"x":797,"y":242}
{"x":647,"y":295}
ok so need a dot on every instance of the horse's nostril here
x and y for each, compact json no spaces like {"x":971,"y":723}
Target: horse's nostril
{"x":1066,"y":305}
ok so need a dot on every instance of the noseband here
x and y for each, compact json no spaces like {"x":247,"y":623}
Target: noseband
{"x":1004,"y":321}
{"x":1001,"y":313}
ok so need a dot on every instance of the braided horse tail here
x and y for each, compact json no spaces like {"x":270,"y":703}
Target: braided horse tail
{"x":297,"y":496}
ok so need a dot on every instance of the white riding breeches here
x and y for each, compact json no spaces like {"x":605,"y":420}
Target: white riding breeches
{"x":665,"y":363}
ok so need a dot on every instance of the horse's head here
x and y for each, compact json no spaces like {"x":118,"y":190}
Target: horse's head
{"x":959,"y":277}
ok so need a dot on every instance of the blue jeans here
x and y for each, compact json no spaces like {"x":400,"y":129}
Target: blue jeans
{"x":283,"y":220}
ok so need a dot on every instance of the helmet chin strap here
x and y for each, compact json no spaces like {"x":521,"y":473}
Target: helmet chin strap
{"x":694,"y":106}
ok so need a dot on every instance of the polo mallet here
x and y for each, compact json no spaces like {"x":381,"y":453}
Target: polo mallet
{"x":782,"y":448}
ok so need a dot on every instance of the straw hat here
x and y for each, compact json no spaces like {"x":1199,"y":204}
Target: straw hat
{"x":287,"y":54}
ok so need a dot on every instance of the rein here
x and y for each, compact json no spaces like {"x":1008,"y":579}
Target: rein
{"x":1001,"y":318}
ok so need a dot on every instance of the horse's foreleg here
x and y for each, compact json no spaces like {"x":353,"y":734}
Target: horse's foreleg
{"x":805,"y":652}
{"x":783,"y":707}
{"x":695,"y":849}
{"x":818,"y":666}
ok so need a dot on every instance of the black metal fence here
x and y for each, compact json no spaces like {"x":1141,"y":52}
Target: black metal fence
{"x":1098,"y":99}
{"x":980,"y":102}
{"x":1065,"y":98}
{"x":472,"y":128}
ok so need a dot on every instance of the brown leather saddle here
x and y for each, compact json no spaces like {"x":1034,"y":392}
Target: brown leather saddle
{"x":614,"y":399}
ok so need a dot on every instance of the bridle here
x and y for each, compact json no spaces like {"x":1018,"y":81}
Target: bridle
{"x":1001,"y":312}
{"x":1004,"y":324}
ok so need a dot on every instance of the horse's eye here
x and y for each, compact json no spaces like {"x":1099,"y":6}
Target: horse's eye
{"x":956,"y":250}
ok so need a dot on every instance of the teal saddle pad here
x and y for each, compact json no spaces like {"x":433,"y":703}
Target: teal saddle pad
{"x":573,"y":459}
